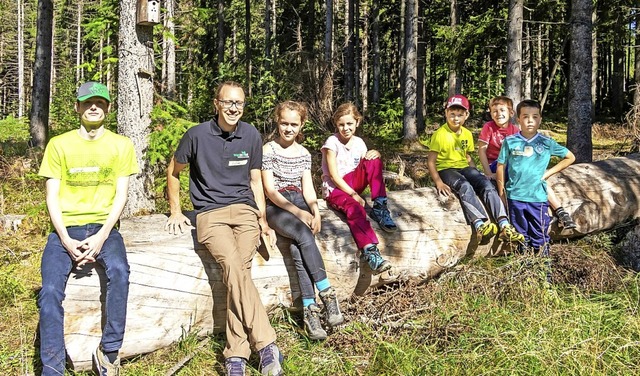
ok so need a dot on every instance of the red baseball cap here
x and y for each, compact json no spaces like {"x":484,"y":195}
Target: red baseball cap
{"x":458,"y":100}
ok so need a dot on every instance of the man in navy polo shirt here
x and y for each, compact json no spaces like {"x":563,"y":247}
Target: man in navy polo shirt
{"x":225,"y":159}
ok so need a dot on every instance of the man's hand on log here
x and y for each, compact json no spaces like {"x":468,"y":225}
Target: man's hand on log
{"x":177,"y":222}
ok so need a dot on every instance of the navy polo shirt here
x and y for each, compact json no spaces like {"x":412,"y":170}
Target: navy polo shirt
{"x":220,"y":164}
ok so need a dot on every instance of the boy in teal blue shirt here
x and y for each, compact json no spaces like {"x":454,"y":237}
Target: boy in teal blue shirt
{"x":526,"y":155}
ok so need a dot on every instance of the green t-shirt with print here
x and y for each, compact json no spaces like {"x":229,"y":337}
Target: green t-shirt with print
{"x":88,"y":171}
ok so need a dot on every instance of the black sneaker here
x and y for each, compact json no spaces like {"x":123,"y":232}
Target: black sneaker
{"x":565,"y":220}
{"x":312,"y":323}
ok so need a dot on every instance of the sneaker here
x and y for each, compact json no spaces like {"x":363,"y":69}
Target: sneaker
{"x":372,"y":257}
{"x":511,"y":235}
{"x":486,"y":231}
{"x":103,"y":365}
{"x":312,"y":323}
{"x":235,"y":366}
{"x":565,"y":220}
{"x":331,"y":309}
{"x":271,"y":361}
{"x":381,"y":214}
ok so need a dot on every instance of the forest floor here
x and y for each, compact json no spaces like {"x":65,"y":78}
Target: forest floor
{"x":493,"y":316}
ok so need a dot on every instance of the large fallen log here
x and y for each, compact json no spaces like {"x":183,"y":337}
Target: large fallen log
{"x":176,"y":285}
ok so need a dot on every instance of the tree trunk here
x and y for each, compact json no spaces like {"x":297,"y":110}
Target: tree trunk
{"x":527,"y":85}
{"x":513,"y":87}
{"x":454,"y":81}
{"x":410,"y":70}
{"x":617,"y":73}
{"x":363,"y":77}
{"x":39,"y":122}
{"x":176,"y":286}
{"x":594,"y":61}
{"x":170,"y":50}
{"x":636,"y":96}
{"x":328,"y":33}
{"x":349,"y":63}
{"x":247,"y":44}
{"x":135,"y":101}
{"x":579,"y":114}
{"x":267,"y":33}
{"x":420,"y":81}
{"x":21,"y":86}
{"x":221,"y":36}
{"x":375,"y":45}
{"x":79,"y":42}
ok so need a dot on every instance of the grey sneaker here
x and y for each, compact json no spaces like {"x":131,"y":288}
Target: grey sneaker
{"x":381,"y":214}
{"x":271,"y":361}
{"x":103,"y":366}
{"x":331,"y":308}
{"x":372,"y":257}
{"x":312,"y":323}
{"x":235,"y":366}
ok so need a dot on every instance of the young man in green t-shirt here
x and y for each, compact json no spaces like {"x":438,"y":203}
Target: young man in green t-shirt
{"x":87,"y":173}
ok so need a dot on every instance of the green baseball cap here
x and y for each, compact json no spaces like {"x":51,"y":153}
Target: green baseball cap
{"x":93,"y":89}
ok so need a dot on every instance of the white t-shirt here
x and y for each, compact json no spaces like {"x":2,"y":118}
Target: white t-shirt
{"x":347,"y":158}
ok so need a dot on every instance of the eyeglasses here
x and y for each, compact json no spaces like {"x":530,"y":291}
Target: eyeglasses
{"x":228,"y":104}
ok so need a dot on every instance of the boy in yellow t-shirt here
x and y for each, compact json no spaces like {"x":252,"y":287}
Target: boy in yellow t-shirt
{"x":453,"y":171}
{"x":87,"y":173}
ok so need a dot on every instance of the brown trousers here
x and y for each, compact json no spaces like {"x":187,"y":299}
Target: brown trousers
{"x":232,"y":234}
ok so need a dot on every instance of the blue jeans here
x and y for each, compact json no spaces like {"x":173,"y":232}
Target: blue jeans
{"x":56,"y":267}
{"x":466,"y":183}
{"x":304,"y":250}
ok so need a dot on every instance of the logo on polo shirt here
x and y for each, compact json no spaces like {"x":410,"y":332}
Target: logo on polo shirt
{"x":243,"y":154}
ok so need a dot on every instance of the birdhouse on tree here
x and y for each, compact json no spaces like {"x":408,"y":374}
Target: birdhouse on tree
{"x":148,"y":12}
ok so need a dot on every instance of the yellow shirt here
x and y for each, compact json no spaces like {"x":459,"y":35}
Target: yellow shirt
{"x":452,"y":148}
{"x":88,"y":171}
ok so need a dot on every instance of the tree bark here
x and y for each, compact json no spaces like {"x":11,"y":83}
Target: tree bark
{"x":169,"y":50}
{"x":635,"y":120}
{"x":221,"y":34}
{"x":135,"y":101}
{"x":454,"y":81}
{"x":410,"y":127}
{"x":247,"y":45}
{"x":579,"y":114}
{"x":176,"y":286}
{"x":21,"y":86}
{"x":349,"y":63}
{"x":375,"y":45}
{"x":79,"y":41}
{"x":328,"y":33}
{"x":513,"y":86}
{"x":39,"y":120}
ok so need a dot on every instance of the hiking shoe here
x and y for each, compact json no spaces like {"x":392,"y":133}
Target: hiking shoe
{"x":381,"y":214}
{"x":486,"y":231}
{"x":312,"y":323}
{"x":511,"y":235}
{"x":271,"y":361}
{"x":565,"y":220}
{"x":103,"y":365}
{"x":235,"y":366}
{"x":372,"y":257}
{"x":331,"y":308}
